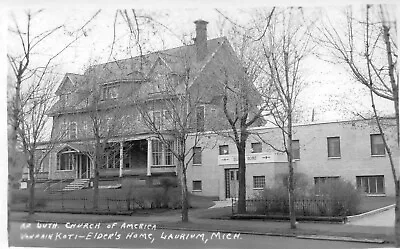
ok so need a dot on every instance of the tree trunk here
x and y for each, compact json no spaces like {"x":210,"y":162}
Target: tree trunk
{"x":396,"y":108}
{"x":242,"y":178}
{"x":31,"y":166}
{"x":397,"y":214}
{"x":96,"y":189}
{"x":291,"y":175}
{"x":185,"y":199}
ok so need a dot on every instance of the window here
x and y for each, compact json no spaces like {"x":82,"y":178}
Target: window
{"x":224,"y":150}
{"x":85,"y":128}
{"x":371,"y":184}
{"x":72,"y":130}
{"x":258,"y":182}
{"x":296,"y":149}
{"x":197,"y":155}
{"x":325,"y":179}
{"x":110,"y":91}
{"x":334,"y":147}
{"x":256,"y":147}
{"x":200,"y":118}
{"x":234,"y":175}
{"x":157,"y":119}
{"x":162,"y":155}
{"x":112,"y":157}
{"x":377,"y":145}
{"x":167,"y":118}
{"x":65,"y":161}
{"x":157,"y":152}
{"x":139,"y":117}
{"x":64,"y":130}
{"x":213,"y":112}
{"x":168,"y":153}
{"x":318,"y":181}
{"x":197,"y":186}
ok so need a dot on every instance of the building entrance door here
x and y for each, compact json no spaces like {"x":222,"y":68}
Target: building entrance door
{"x":83,"y":167}
{"x":231,"y":183}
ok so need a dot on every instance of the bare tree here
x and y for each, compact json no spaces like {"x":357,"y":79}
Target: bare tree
{"x":36,"y":101}
{"x":98,"y":109}
{"x":32,"y":86}
{"x":285,"y":43}
{"x":367,"y":48}
{"x":244,"y":101}
{"x":172,"y":112}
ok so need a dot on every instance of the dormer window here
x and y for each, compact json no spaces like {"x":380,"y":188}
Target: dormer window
{"x":64,"y":98}
{"x":110,"y":91}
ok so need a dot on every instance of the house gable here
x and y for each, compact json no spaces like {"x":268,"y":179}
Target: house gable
{"x":67,"y":85}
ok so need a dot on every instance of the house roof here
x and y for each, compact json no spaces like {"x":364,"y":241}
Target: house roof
{"x":139,"y":68}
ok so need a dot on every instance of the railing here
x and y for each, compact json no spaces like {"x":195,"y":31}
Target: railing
{"x":50,"y":187}
{"x":304,"y":207}
{"x":63,"y":202}
{"x":162,"y":168}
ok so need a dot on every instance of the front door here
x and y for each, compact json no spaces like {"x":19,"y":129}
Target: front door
{"x":232,"y":183}
{"x":83,"y":166}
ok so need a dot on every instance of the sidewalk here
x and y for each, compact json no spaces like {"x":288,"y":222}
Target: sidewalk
{"x":343,"y":232}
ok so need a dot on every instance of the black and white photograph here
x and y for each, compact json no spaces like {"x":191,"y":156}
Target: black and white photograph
{"x":201,"y":125}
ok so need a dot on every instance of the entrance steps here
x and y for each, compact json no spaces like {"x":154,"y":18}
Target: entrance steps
{"x":76,"y":185}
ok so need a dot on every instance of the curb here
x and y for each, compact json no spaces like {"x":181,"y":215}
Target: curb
{"x":339,"y":238}
{"x":376,"y":211}
{"x":312,"y":237}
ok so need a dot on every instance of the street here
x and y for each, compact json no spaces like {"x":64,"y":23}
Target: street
{"x":141,"y":235}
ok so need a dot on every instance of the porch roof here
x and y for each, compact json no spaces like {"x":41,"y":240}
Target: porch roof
{"x":78,"y":147}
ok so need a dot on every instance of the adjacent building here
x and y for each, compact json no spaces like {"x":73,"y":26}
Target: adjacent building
{"x":350,"y":150}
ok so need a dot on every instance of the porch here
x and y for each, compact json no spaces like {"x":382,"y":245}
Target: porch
{"x":141,"y":157}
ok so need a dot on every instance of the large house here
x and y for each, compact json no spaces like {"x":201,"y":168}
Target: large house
{"x":106,"y":97}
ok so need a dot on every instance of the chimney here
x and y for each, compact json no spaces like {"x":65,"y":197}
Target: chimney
{"x":201,"y":39}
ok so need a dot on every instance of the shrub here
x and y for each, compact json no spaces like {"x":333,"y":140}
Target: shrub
{"x":167,"y":182}
{"x":22,"y":196}
{"x":274,"y":200}
{"x":300,"y":182}
{"x":342,"y":197}
{"x":175,"y":198}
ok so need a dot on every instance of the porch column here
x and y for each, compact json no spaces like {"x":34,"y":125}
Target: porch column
{"x":149,"y":157}
{"x":121,"y":158}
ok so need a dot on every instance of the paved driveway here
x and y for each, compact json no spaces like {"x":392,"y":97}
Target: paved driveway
{"x":383,"y":219}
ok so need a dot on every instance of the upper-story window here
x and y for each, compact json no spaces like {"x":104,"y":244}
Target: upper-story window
{"x":256,"y":147}
{"x":197,"y":155}
{"x":157,"y":121}
{"x":333,"y":147}
{"x":296,"y":149}
{"x":64,"y":98}
{"x":64,"y":130}
{"x":377,"y":145}
{"x":200,"y":118}
{"x":167,"y":118}
{"x":110,"y":91}
{"x":224,"y":150}
{"x":73,"y":129}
